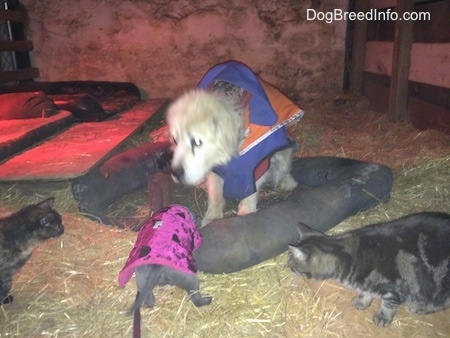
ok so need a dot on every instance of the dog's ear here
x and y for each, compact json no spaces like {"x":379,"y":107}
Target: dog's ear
{"x":246,"y":97}
{"x":227,"y":135}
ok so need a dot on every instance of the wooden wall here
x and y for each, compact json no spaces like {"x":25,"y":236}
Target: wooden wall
{"x":12,"y":19}
{"x":403,"y":67}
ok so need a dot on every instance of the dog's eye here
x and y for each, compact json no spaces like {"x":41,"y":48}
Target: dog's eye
{"x":195,"y":142}
{"x":174,"y":140}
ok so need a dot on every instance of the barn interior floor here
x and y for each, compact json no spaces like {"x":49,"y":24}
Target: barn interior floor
{"x":73,"y":152}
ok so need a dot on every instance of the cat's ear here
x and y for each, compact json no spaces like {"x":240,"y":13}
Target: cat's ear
{"x":47,"y":203}
{"x":305,"y":231}
{"x":299,"y":253}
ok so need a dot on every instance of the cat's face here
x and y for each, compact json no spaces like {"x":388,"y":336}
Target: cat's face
{"x":299,"y":261}
{"x":311,"y":262}
{"x":312,"y":256}
{"x":43,"y":221}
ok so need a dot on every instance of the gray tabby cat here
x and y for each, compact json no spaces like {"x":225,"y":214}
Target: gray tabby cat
{"x":403,"y":261}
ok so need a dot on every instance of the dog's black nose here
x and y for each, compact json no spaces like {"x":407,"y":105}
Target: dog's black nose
{"x":178,"y":174}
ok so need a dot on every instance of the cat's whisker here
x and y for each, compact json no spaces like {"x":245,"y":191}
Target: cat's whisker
{"x":390,"y":261}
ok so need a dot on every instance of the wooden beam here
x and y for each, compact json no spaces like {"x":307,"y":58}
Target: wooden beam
{"x":403,"y":36}
{"x":435,"y":30}
{"x":438,"y":96}
{"x":358,"y":49}
{"x":428,"y":61}
{"x":16,"y":46}
{"x":376,"y":90}
{"x":19,"y":75}
{"x":11,"y":15}
{"x":428,"y":106}
{"x":424,"y":115}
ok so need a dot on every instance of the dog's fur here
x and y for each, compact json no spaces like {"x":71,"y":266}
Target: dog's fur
{"x":207,"y":130}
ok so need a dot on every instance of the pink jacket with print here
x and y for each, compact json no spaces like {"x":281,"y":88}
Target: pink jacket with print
{"x":168,"y":238}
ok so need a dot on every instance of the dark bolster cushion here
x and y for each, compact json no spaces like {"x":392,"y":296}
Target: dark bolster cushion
{"x":25,"y":105}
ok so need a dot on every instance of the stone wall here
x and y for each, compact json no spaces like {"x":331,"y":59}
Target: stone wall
{"x":164,"y":46}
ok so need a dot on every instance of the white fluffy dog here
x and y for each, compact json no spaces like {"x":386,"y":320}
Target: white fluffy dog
{"x":208,"y":128}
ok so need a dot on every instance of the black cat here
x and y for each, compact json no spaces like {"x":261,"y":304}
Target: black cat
{"x":20,"y":234}
{"x":403,"y":261}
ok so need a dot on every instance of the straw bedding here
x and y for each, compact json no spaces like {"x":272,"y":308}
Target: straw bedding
{"x":69,"y":286}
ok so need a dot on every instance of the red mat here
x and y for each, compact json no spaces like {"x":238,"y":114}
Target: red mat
{"x":79,"y":148}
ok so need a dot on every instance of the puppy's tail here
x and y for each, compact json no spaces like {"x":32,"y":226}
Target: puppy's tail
{"x":136,"y":311}
{"x":138,"y":303}
{"x":137,"y":323}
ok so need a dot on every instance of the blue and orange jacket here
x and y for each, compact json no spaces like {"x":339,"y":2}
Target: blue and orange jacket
{"x":268,"y":113}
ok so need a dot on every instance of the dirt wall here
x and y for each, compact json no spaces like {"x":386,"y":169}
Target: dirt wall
{"x":165,"y":46}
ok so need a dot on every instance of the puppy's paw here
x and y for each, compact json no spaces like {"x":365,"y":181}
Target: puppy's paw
{"x":200,"y":300}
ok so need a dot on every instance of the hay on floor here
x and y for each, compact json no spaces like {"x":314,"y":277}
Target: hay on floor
{"x":69,"y":286}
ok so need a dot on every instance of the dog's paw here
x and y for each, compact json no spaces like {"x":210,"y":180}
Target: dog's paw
{"x":248,"y":205}
{"x":209,"y":218}
{"x":206,"y":221}
{"x":287,"y":183}
{"x":214,"y":211}
{"x":244,"y":210}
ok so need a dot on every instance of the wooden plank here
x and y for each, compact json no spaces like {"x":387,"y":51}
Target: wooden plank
{"x":376,"y":86}
{"x":436,"y":29}
{"x":349,"y":33}
{"x":380,"y":4}
{"x":12,"y":15}
{"x":16,"y":46}
{"x":380,"y":30}
{"x":430,"y":62}
{"x":19,"y":75}
{"x":424,"y":115}
{"x":358,"y":49}
{"x":398,"y":94}
{"x":78,"y":149}
{"x":379,"y":57}
{"x":17,"y":135}
{"x":438,"y":96}
{"x":376,"y":90}
{"x":423,"y":111}
{"x":13,"y":130}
